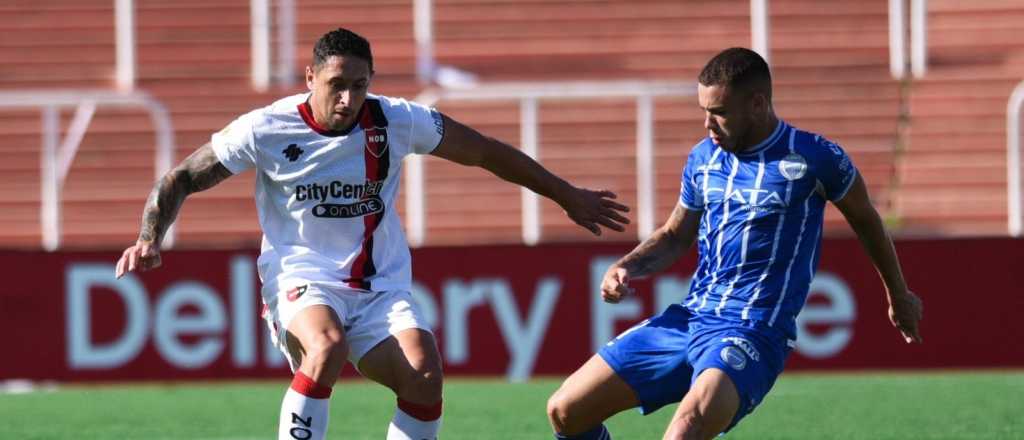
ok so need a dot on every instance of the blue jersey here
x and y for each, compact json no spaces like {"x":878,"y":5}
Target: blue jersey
{"x":760,"y":229}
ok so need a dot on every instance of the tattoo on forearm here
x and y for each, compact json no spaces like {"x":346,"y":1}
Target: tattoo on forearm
{"x":200,"y":171}
{"x":659,"y":250}
{"x":648,"y":257}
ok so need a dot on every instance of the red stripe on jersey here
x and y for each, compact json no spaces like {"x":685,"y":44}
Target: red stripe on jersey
{"x":376,"y":170}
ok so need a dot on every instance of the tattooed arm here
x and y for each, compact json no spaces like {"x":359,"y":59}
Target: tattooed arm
{"x":654,"y":254}
{"x":200,"y":171}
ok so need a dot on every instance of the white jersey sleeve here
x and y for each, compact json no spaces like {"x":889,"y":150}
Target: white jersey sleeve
{"x":235,"y":145}
{"x":425,"y":129}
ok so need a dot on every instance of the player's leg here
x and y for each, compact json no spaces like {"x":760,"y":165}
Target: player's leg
{"x":734,"y":368}
{"x":306,"y":325}
{"x":707,"y":409}
{"x":409,"y":364}
{"x":646,"y":367}
{"x":592,"y":394}
{"x":404,"y":357}
{"x":318,"y":337}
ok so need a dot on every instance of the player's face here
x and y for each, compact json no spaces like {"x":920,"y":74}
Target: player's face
{"x":728,"y":116}
{"x":339,"y":88}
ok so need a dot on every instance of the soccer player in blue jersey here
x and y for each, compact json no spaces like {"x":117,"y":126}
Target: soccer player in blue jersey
{"x":753,"y":198}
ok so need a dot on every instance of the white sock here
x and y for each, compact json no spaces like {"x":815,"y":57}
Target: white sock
{"x":415,"y":422}
{"x":304,"y":410}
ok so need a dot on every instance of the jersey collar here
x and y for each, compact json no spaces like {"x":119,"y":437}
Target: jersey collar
{"x":306,"y":112}
{"x":768,"y":142}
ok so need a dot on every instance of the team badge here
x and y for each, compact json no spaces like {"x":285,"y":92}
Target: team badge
{"x":377,"y":141}
{"x":734,"y":357}
{"x":793,"y":166}
{"x":295,"y":292}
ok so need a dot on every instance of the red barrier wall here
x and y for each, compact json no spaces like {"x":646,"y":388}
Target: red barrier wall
{"x":511,"y":310}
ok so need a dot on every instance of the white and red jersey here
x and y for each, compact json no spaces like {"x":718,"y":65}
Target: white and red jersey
{"x":326,"y":199}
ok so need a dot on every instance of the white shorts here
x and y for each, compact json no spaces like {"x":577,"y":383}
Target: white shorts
{"x":367,"y":317}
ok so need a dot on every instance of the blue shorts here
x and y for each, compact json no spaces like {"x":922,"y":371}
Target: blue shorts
{"x":661,"y":358}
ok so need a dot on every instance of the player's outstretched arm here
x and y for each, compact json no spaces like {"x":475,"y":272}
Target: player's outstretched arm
{"x":905,"y":309}
{"x":588,"y":208}
{"x":199,"y":171}
{"x":653,"y":255}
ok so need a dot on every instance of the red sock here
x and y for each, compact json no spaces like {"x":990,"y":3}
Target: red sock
{"x":425,"y":413}
{"x":302,"y":384}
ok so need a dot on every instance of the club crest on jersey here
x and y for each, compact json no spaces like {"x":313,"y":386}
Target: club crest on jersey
{"x":744,"y":345}
{"x":733,"y":357}
{"x":295,"y":292}
{"x":377,"y":141}
{"x":793,"y":166}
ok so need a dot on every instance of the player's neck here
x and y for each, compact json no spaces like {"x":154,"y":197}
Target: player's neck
{"x":760,"y":133}
{"x":323,"y":120}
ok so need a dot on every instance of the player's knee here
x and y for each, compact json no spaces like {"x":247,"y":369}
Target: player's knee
{"x":561,"y":414}
{"x":326,"y":350}
{"x":687,"y":426}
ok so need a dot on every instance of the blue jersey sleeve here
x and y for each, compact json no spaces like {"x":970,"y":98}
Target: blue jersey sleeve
{"x":833,"y":168}
{"x":690,"y":195}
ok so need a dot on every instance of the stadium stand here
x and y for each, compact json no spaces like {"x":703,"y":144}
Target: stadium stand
{"x":952,"y":178}
{"x":830,"y":61}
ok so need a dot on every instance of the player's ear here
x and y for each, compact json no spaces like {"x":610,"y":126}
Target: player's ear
{"x":760,"y":105}
{"x":309,"y":77}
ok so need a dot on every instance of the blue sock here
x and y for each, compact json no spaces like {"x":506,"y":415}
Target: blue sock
{"x":598,"y":433}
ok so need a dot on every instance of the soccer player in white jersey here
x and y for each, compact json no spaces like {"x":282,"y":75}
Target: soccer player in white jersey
{"x":334,"y":262}
{"x":752,"y":196}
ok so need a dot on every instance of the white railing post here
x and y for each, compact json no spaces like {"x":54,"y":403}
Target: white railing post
{"x":529,"y":131}
{"x":260,"y":43}
{"x":529,"y":96}
{"x":76,"y":132}
{"x":415,"y":200}
{"x":1013,"y":180}
{"x":645,"y":196}
{"x":759,"y":32}
{"x":56,"y":156}
{"x":423,"y":33}
{"x":285,"y":75}
{"x":124,"y":23}
{"x":897,"y":39}
{"x":49,"y":214}
{"x":918,"y":37}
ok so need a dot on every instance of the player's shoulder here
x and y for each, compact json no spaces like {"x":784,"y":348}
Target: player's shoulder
{"x":284,"y":109}
{"x":393,"y":106}
{"x":388,"y":104}
{"x":813,"y":144}
{"x":702,"y":151}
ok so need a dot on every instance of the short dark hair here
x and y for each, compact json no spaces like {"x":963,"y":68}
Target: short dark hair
{"x":340,"y":42}
{"x":740,"y":68}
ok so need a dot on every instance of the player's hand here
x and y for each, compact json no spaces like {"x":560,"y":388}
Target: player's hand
{"x":905,"y":312}
{"x":615,"y":285}
{"x":141,"y":256}
{"x":593,"y":209}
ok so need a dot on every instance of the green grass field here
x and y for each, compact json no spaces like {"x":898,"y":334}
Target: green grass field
{"x":968,"y":405}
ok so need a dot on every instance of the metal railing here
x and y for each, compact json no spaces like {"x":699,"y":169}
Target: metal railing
{"x":263,"y":68}
{"x":529,"y":94}
{"x":1013,"y":181}
{"x":56,"y":159}
{"x":427,"y":69}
